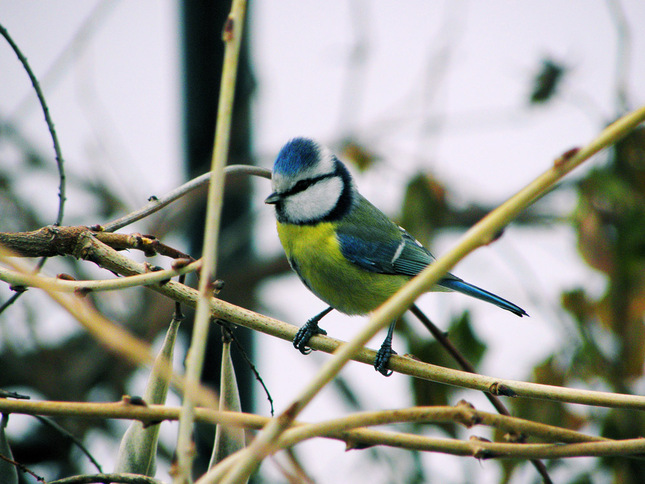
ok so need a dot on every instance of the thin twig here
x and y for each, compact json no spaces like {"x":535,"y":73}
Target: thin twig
{"x":252,"y":367}
{"x":13,"y":298}
{"x":232,"y":36}
{"x":49,"y":422}
{"x":351,"y":429}
{"x":22,"y":468}
{"x":57,"y":149}
{"x":18,"y":279}
{"x":155,"y":204}
{"x":48,"y":120}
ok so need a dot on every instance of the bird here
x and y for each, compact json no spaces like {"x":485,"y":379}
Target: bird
{"x":342,"y":247}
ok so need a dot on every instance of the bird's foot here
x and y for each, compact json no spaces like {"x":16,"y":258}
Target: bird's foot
{"x":304,"y":334}
{"x":383,"y":358}
{"x":384,"y":353}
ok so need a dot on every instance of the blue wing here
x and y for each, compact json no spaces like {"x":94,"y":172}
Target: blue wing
{"x":383,"y":247}
{"x":401,"y":255}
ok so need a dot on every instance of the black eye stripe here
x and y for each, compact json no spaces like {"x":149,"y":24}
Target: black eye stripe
{"x":302,"y":185}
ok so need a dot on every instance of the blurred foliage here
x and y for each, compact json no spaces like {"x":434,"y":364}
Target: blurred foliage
{"x":358,"y":155}
{"x":425,"y":207}
{"x":72,"y":366}
{"x":547,"y":81}
{"x":610,"y":225}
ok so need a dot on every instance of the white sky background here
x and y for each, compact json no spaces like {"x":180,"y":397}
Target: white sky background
{"x":465,"y":66}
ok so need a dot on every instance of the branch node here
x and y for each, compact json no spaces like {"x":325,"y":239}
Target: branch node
{"x":561,"y":161}
{"x":180,"y":263}
{"x":481,"y":453}
{"x":82,"y":291}
{"x":65,"y":277}
{"x":227,"y":31}
{"x":467,"y":415}
{"x":133,"y":400}
{"x":515,"y":437}
{"x":501,"y":389}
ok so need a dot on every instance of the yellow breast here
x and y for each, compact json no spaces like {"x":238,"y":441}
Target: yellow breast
{"x":315,"y":255}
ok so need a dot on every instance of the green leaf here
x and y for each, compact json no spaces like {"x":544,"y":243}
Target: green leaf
{"x":424,"y":207}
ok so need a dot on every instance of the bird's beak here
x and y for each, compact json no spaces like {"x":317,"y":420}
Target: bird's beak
{"x":273,"y":198}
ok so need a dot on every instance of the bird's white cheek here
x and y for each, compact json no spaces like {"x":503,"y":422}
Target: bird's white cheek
{"x":315,"y":202}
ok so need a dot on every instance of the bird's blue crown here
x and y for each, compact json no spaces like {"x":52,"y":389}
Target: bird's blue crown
{"x":299,"y":154}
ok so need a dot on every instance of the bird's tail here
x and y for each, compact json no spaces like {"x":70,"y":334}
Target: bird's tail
{"x":479,"y":293}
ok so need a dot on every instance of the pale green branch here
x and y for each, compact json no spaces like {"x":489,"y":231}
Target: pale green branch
{"x":157,"y":203}
{"x":232,"y":36}
{"x":63,"y":285}
{"x":346,"y":429}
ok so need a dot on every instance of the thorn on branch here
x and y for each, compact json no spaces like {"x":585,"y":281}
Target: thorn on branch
{"x":152,"y":268}
{"x":352,"y":444}
{"x":496,"y":236}
{"x":216,"y":286}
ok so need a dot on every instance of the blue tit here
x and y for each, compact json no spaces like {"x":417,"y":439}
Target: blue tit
{"x":343,"y":248}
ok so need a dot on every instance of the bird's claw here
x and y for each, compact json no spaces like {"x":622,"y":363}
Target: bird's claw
{"x":383,"y":358}
{"x":305,"y":333}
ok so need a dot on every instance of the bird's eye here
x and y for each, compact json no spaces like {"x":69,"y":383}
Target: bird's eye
{"x":301,"y":185}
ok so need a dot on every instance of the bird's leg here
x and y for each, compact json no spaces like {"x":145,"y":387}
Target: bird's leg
{"x":384,"y":353}
{"x":309,"y":329}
